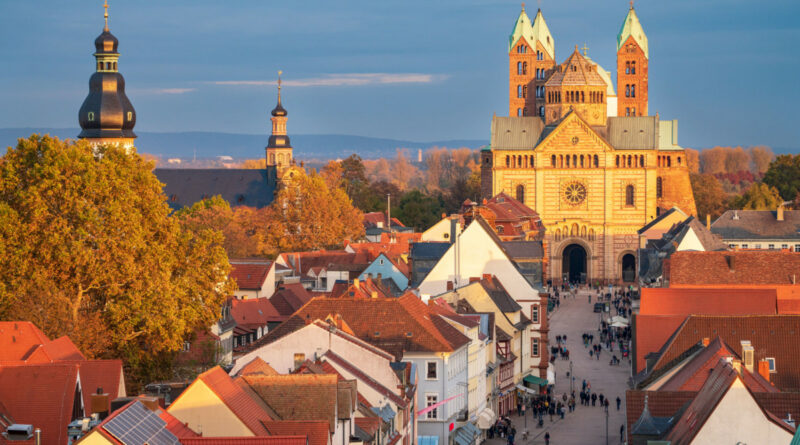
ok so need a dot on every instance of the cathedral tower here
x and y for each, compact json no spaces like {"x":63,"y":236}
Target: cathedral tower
{"x":107,"y":116}
{"x":632,"y":60}
{"x":279,"y":149}
{"x":576,"y":85}
{"x":531,"y":55}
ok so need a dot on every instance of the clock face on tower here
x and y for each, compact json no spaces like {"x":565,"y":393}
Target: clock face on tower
{"x":574,"y":193}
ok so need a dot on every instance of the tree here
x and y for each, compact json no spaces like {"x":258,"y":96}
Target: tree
{"x":90,"y":251}
{"x":306,"y":215}
{"x":333,"y":174}
{"x":760,"y":157}
{"x":709,"y":197}
{"x":736,"y":160}
{"x":784,"y":174}
{"x":415,"y":209}
{"x":242,"y":227}
{"x":693,"y":160}
{"x":759,"y":196}
{"x":254,"y":164}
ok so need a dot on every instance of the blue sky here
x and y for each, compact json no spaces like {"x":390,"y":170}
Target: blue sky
{"x":412,"y":69}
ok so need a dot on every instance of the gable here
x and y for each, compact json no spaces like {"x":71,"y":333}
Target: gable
{"x":203,"y":410}
{"x":563,"y":137}
{"x":690,"y":241}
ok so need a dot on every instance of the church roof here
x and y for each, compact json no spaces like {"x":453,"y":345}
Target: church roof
{"x":633,"y":132}
{"x":533,"y":32}
{"x":605,"y":74}
{"x":515,"y":133}
{"x":632,"y":27}
{"x":576,"y":70}
{"x":240,"y":187}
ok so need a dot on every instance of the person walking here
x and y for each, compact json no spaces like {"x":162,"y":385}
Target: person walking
{"x":594,"y":399}
{"x":622,"y":433}
{"x":619,"y":401}
{"x":547,"y":438}
{"x":601,"y":399}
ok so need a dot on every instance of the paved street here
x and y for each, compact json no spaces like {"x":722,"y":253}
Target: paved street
{"x":587,"y":424}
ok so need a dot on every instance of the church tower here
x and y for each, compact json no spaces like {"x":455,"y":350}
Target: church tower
{"x":531,"y":55}
{"x":632,"y":60}
{"x":107,"y":116}
{"x":577,"y":85}
{"x":279,"y":149}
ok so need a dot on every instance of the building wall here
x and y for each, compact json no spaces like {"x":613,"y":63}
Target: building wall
{"x":738,"y":419}
{"x":387,"y":270}
{"x":630,"y":51}
{"x":203,"y":412}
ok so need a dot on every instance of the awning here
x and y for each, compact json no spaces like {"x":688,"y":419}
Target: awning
{"x":486,"y":419}
{"x":466,"y":434}
{"x":533,"y":380}
{"x":428,"y":440}
{"x":527,"y":390}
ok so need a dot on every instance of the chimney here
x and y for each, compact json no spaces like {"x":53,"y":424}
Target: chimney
{"x":747,"y":355}
{"x":731,"y":260}
{"x":380,"y":280}
{"x":708,"y":221}
{"x":735,"y":214}
{"x":374,"y":294}
{"x":779,"y":215}
{"x":487,"y":276}
{"x":449,"y":285}
{"x":763,"y":369}
{"x":356,"y":283}
{"x":100,"y":403}
{"x":706,"y":341}
{"x":474,"y":279}
{"x":308,"y":319}
{"x":737,"y":365}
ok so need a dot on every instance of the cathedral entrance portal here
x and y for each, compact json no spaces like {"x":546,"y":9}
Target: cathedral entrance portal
{"x":573,"y":266}
{"x":628,"y":268}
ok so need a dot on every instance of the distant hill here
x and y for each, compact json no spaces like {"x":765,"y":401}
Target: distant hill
{"x":248,"y":146}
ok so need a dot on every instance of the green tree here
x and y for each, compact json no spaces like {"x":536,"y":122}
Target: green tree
{"x":784,"y":174}
{"x":709,"y":197}
{"x":91,"y":251}
{"x":759,"y":196}
{"x":418,"y":210}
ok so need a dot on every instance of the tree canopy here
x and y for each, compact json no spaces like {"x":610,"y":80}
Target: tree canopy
{"x":759,"y":196}
{"x":784,"y":174}
{"x":89,"y":250}
{"x":709,"y":197}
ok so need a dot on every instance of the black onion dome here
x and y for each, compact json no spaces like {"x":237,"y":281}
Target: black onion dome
{"x":107,"y":113}
{"x":106,"y":43}
{"x":279,"y":110}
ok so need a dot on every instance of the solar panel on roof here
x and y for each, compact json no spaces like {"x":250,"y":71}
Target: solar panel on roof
{"x":137,"y":425}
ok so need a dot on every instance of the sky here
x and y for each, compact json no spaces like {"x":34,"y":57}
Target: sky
{"x":420,"y":70}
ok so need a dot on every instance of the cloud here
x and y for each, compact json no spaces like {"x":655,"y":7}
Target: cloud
{"x":347,"y":79}
{"x":164,"y":90}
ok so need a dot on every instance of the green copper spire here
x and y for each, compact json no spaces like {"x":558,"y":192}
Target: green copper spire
{"x":533,"y":32}
{"x":632,"y":27}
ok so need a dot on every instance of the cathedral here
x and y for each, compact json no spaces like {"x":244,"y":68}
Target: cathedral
{"x":592,"y":162}
{"x":108,"y":117}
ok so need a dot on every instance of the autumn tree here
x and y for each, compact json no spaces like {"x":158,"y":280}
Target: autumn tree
{"x":759,"y":196}
{"x":254,"y":164}
{"x":333,"y":175}
{"x":90,"y":251}
{"x":418,"y":210}
{"x":307,"y":215}
{"x":692,"y":160}
{"x":760,"y":157}
{"x":784,"y":174}
{"x":709,"y":197}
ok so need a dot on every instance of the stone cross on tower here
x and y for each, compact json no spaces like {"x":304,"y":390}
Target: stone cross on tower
{"x":585,"y":48}
{"x":105,"y":14}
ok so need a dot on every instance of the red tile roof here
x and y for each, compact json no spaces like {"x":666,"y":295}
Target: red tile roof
{"x":366,"y":288}
{"x":710,"y":301}
{"x":106,"y":374}
{"x":298,"y":396}
{"x":288,"y":298}
{"x":59,"y":349}
{"x":315,"y":430}
{"x":735,"y":267}
{"x":257,"y":366}
{"x":18,"y":339}
{"x":41,"y":395}
{"x":391,"y":324}
{"x":254,"y":313}
{"x":368,"y":424}
{"x":650,"y":334}
{"x":250,"y":274}
{"x":372,"y":219}
{"x":175,"y":426}
{"x":774,"y":336}
{"x":264,"y":440}
{"x":321,"y":258}
{"x":242,"y":404}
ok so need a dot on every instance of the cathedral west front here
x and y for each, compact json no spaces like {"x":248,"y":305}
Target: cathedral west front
{"x":589,"y":160}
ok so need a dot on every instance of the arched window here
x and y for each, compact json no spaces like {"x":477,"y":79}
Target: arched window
{"x":525,"y":91}
{"x":669,"y":161}
{"x":573,"y":230}
{"x":541,"y":111}
{"x":629,"y":195}
{"x":525,"y":159}
{"x":641,"y":160}
{"x":272,"y":158}
{"x":519,"y":67}
{"x":601,"y":97}
{"x":679,"y":160}
{"x":627,"y":67}
{"x":519,"y":91}
{"x":508,"y":161}
{"x":627,"y":91}
{"x":99,"y":66}
{"x":617,"y":160}
{"x":633,"y":67}
{"x":525,"y":68}
{"x":659,"y":187}
{"x":583,"y":97}
{"x":115,"y":66}
{"x":633,"y":111}
{"x":108,"y":65}
{"x":519,"y":111}
{"x":581,"y":161}
{"x":583,"y":231}
{"x":627,"y":111}
{"x":525,"y":111}
{"x":561,"y":161}
{"x":596,"y":161}
{"x":630,"y":164}
{"x":633,"y":90}
{"x":90,"y":116}
{"x":553,"y":161}
{"x":531,"y":161}
{"x":574,"y":160}
{"x":519,"y":161}
{"x":521,"y":193}
{"x":567,"y":161}
{"x":513,"y":162}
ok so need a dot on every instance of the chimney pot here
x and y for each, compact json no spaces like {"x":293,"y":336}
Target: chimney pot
{"x":763,"y":369}
{"x":737,"y":365}
{"x":747,"y":355}
{"x":706,"y":341}
{"x":779,"y":215}
{"x":449,"y":285}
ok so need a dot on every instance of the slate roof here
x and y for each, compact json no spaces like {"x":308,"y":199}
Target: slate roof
{"x":633,"y":132}
{"x":428,"y":250}
{"x":659,"y":218}
{"x":518,"y":250}
{"x":757,"y":224}
{"x":745,"y":267}
{"x":239,"y":187}
{"x":315,"y":430}
{"x":660,"y":403}
{"x":394,"y":325}
{"x":249,"y":274}
{"x":584,"y":74}
{"x":710,"y":301}
{"x":774,"y":336}
{"x":678,"y":232}
{"x":515,"y":133}
{"x":499,"y":295}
